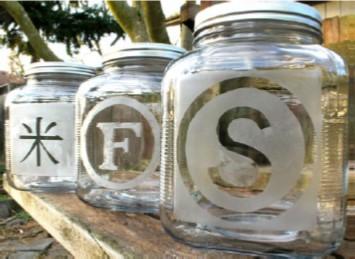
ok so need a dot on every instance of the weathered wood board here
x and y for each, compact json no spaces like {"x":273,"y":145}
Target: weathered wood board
{"x":89,"y":232}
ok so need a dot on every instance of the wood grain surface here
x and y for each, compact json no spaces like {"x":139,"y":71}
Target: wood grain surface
{"x":89,"y":232}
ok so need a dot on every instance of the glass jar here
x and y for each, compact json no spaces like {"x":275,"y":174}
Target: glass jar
{"x":118,"y":129}
{"x":39,"y":126}
{"x":255,"y":133}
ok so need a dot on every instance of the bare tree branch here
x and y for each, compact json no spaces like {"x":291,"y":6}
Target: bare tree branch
{"x":155,"y":21}
{"x":129,"y":19}
{"x":98,"y":48}
{"x":21,"y":17}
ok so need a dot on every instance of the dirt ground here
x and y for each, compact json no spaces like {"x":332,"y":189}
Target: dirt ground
{"x":22,"y":238}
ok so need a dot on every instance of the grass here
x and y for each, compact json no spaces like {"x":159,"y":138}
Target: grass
{"x":23,"y":215}
{"x":4,"y":197}
{"x":2,"y":169}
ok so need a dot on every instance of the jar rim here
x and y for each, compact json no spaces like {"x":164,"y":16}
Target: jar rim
{"x":144,"y":50}
{"x":55,"y":67}
{"x":287,"y":11}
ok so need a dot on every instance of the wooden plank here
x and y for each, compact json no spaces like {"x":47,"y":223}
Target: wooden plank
{"x":347,"y":7}
{"x":347,"y":30}
{"x":339,"y":29}
{"x":89,"y":232}
{"x":331,"y":30}
{"x":60,"y":225}
{"x":332,"y":9}
{"x":321,"y":9}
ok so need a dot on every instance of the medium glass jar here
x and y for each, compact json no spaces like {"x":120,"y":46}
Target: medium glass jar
{"x":39,"y":126}
{"x":118,"y":129}
{"x":255,"y":133}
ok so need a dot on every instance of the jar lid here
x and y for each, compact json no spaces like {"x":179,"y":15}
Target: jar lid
{"x":282,"y":10}
{"x":59,"y":67}
{"x":145,"y":50}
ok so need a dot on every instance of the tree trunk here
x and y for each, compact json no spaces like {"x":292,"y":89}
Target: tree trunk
{"x":155,"y":21}
{"x":186,"y":37}
{"x":188,"y":12}
{"x":21,"y":17}
{"x":130,"y":20}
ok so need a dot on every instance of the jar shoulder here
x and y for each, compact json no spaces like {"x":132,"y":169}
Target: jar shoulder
{"x":38,"y":93}
{"x":120,"y":83}
{"x":257,"y":56}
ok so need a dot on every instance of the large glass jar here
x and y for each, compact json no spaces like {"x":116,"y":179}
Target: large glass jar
{"x":255,"y":133}
{"x":39,"y":125}
{"x":118,"y":128}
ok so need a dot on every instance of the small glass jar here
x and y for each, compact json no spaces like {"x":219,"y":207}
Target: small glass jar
{"x":118,"y":125}
{"x":39,"y":126}
{"x":255,"y":133}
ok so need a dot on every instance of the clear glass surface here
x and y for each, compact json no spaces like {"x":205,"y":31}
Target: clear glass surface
{"x":46,"y":166}
{"x":118,"y":124}
{"x":254,"y":142}
{"x":351,"y":173}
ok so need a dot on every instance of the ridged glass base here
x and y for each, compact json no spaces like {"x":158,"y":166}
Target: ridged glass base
{"x":42,"y":183}
{"x":127,"y":201}
{"x":272,"y":244}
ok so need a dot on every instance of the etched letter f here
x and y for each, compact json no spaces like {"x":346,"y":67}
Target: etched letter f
{"x":108,"y":130}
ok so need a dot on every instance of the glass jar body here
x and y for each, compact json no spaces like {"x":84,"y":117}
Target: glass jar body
{"x":39,"y":126}
{"x":254,"y":148}
{"x":118,"y":131}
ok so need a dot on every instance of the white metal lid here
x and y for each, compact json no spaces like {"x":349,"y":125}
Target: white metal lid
{"x":143,"y":50}
{"x":281,"y":10}
{"x":59,"y":67}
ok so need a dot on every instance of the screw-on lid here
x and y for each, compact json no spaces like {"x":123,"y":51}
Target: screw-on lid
{"x":282,"y":10}
{"x":59,"y":67}
{"x":144,"y":50}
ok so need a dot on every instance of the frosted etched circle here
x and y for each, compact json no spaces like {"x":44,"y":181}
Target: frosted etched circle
{"x":149,"y":117}
{"x":277,"y":136}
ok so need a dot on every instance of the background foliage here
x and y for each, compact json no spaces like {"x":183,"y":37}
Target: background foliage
{"x":73,"y":24}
